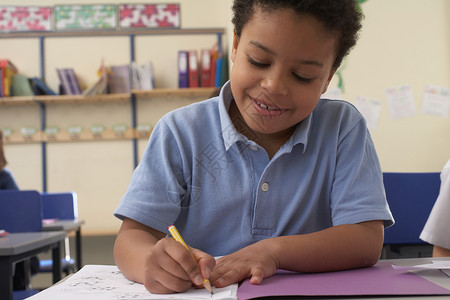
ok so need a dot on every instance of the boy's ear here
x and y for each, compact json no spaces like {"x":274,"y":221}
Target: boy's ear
{"x":329,"y":80}
{"x":235,"y":45}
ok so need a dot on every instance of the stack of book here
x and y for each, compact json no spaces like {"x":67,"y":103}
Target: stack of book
{"x":142,"y":77}
{"x":69,"y":84}
{"x":7,"y":71}
{"x":118,"y":78}
{"x":208,"y":71}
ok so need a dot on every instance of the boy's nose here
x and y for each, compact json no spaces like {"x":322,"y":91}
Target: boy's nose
{"x":274,"y":84}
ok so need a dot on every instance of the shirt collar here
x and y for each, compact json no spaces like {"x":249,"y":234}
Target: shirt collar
{"x":232,"y":136}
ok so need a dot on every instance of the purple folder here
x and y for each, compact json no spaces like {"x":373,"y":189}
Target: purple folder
{"x":183,"y":68}
{"x":380,"y":279}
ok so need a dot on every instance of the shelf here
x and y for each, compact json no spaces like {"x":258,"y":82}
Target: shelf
{"x":84,"y":136}
{"x":112,"y":32}
{"x":70,"y":99}
{"x":17,"y":101}
{"x":110,"y":98}
{"x":186,"y":92}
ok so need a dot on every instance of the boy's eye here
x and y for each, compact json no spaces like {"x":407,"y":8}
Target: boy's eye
{"x":257,"y":64}
{"x":302,"y":79}
{"x":265,"y":65}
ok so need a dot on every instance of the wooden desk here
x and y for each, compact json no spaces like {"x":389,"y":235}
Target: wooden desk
{"x":19,"y":246}
{"x":68,"y":226}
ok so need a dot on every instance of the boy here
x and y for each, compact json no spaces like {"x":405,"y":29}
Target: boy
{"x":266,"y":175}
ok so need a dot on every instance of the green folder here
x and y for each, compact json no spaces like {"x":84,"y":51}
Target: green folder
{"x":21,"y":86}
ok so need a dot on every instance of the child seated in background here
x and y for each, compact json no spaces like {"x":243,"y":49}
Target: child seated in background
{"x":437,"y":228}
{"x":266,"y":175}
{"x":7,"y":182}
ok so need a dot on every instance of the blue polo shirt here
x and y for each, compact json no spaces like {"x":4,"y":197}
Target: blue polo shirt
{"x":223,"y":192}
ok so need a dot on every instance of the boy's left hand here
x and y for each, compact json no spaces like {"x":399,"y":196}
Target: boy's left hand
{"x":255,"y":262}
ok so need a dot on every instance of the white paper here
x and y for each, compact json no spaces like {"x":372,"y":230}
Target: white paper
{"x":106,"y":282}
{"x":435,"y":264}
{"x":400,"y":102}
{"x":370,"y":109}
{"x":436,"y":101}
{"x":332,"y":93}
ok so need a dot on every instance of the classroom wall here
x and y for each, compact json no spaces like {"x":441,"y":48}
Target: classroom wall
{"x":402,"y":42}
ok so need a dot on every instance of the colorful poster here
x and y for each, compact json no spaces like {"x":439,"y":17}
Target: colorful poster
{"x":25,"y":18}
{"x":70,"y":17}
{"x":149,"y":16}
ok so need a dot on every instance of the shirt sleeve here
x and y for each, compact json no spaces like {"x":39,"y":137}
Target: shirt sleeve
{"x":358,"y":193}
{"x":157,"y":185}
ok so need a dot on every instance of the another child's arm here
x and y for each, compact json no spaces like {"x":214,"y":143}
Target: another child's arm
{"x":336,"y":248}
{"x":163,"y":265}
{"x":440,"y":251}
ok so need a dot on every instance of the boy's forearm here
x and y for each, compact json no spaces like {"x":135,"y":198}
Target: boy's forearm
{"x":130,"y":249}
{"x":336,"y":248}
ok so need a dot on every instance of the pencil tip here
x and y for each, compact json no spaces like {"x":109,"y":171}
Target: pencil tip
{"x":207,"y":286}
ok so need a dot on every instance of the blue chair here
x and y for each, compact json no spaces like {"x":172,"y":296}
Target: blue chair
{"x":60,"y":206}
{"x":20,"y":211}
{"x":411,"y":197}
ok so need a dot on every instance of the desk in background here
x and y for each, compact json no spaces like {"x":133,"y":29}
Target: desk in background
{"x":68,"y":226}
{"x":19,"y":246}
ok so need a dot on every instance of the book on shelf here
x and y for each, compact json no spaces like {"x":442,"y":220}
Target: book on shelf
{"x":39,"y":87}
{"x":118,"y":79}
{"x":142,"y":77}
{"x":183,"y":68}
{"x":205,"y":65}
{"x":99,"y":87}
{"x":21,"y":86}
{"x":68,"y":81}
{"x":7,"y":70}
{"x":221,"y":70}
{"x":193,"y":69}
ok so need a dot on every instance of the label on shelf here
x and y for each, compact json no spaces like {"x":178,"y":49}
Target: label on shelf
{"x":75,"y":131}
{"x":120,"y":129}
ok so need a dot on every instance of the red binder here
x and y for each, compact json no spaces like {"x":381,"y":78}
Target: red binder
{"x":193,"y":69}
{"x":206,"y":78}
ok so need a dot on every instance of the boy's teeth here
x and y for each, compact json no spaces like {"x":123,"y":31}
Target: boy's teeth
{"x":265,"y":106}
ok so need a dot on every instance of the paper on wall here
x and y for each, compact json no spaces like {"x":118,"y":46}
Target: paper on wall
{"x":370,"y":109}
{"x":400,"y":101}
{"x":436,"y":101}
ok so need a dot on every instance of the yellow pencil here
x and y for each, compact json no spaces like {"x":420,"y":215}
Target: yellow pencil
{"x":177,"y":237}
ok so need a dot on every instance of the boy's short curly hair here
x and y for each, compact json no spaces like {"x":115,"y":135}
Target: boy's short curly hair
{"x":342,"y":17}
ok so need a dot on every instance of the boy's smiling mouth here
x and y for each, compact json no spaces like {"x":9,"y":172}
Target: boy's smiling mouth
{"x":265,"y":109}
{"x":265,"y":106}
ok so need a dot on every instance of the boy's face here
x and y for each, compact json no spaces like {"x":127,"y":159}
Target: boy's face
{"x":282,"y":63}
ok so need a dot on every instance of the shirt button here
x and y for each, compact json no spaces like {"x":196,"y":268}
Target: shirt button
{"x":254,"y":148}
{"x":265,"y":187}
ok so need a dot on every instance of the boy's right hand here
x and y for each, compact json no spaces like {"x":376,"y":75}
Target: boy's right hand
{"x":170,"y":268}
